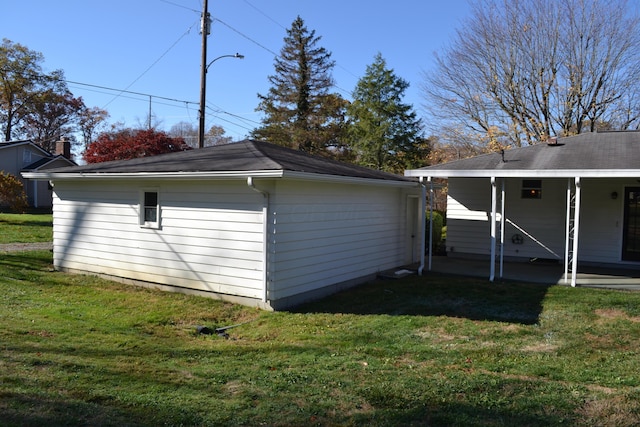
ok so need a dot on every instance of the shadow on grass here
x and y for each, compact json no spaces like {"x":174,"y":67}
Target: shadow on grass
{"x":23,"y":262}
{"x":439,"y":295}
{"x":50,"y":411}
{"x":256,"y":393}
{"x":26,"y":223}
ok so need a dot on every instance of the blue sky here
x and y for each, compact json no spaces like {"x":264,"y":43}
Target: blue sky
{"x":153,"y":47}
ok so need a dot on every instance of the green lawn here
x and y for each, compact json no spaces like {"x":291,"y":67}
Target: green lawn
{"x":436,"y":350}
{"x":26,"y":228}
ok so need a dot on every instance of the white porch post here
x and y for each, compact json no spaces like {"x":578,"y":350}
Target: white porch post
{"x":430,"y":220}
{"x":576,"y":233}
{"x":502,"y":223}
{"x":492,"y":270}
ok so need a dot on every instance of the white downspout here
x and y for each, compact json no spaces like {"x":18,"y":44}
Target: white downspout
{"x":492,"y":270}
{"x":423,"y":204}
{"x":265,"y":239}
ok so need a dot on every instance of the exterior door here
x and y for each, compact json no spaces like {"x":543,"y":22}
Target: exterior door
{"x":631,"y":236}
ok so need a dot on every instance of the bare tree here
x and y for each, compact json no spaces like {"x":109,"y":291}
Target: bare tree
{"x":91,"y":122}
{"x":189,"y":132}
{"x":525,"y":70}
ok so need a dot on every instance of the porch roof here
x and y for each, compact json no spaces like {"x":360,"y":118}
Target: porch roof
{"x":598,"y":154}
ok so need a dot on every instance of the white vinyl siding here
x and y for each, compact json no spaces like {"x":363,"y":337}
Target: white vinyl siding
{"x":326,"y":234}
{"x":541,"y":222}
{"x":468,"y":209}
{"x":211,"y":237}
{"x":602,"y":219}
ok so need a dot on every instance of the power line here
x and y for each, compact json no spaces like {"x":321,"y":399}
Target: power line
{"x":187,"y":103}
{"x":179,"y":5}
{"x":128,"y":91}
{"x":245,"y":36}
{"x":228,"y":121}
{"x":155,"y":62}
{"x":266,"y":16}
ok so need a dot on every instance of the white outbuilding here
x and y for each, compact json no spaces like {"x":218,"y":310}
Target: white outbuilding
{"x":249,"y":222}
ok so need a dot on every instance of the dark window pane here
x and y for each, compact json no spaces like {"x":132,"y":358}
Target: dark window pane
{"x":150,"y":198}
{"x":531,"y":183}
{"x":151,"y":214}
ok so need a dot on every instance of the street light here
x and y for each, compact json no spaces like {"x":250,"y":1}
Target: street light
{"x":203,"y":91}
{"x":237,"y":55}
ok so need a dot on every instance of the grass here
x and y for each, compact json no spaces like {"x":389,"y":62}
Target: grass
{"x":26,"y":228}
{"x":435,"y":350}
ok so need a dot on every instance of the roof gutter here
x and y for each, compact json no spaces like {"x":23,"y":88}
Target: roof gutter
{"x":513,"y":173}
{"x":151,"y":175}
{"x":277,"y":173}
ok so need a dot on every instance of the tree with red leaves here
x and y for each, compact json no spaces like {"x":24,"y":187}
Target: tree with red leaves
{"x":131,"y":144}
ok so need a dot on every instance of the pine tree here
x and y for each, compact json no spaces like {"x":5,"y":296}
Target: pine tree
{"x":384,"y":133}
{"x":299,"y":110}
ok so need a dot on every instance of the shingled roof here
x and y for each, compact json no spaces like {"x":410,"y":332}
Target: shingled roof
{"x":598,"y":154}
{"x":247,"y":156}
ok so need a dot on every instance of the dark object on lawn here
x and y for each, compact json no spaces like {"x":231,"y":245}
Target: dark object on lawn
{"x":204,"y":330}
{"x":219,"y":331}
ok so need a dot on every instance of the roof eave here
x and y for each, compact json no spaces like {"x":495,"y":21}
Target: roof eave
{"x":557,"y":173}
{"x":52,"y":175}
{"x":55,"y":176}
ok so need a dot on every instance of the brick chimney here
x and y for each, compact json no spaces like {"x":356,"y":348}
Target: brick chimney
{"x":63,"y":147}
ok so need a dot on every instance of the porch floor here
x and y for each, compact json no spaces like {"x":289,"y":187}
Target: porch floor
{"x":543,"y":272}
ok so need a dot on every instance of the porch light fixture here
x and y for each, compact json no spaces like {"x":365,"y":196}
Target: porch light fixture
{"x":614,"y":195}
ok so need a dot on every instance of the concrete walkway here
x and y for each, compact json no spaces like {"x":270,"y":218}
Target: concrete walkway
{"x":543,"y":272}
{"x":23,"y":247}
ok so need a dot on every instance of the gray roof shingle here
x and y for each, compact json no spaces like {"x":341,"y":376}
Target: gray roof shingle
{"x":243,"y":156}
{"x":612,"y":150}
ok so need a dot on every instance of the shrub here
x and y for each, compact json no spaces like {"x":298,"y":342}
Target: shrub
{"x":438,"y":222}
{"x":12,"y":193}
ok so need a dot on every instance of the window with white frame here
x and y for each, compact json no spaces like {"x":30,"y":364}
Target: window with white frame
{"x":150,"y":208}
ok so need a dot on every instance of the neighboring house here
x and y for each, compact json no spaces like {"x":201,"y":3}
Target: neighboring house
{"x":22,"y":156}
{"x":574,"y":199}
{"x":249,"y":222}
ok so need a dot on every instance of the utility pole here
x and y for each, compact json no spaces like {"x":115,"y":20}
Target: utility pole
{"x":205,"y":27}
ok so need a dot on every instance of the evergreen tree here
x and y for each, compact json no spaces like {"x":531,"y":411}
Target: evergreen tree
{"x":300,"y":112}
{"x":384,"y":133}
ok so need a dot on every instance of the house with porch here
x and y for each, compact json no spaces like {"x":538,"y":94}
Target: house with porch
{"x":573,"y":200}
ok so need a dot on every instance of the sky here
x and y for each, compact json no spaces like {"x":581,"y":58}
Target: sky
{"x":153,"y":48}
